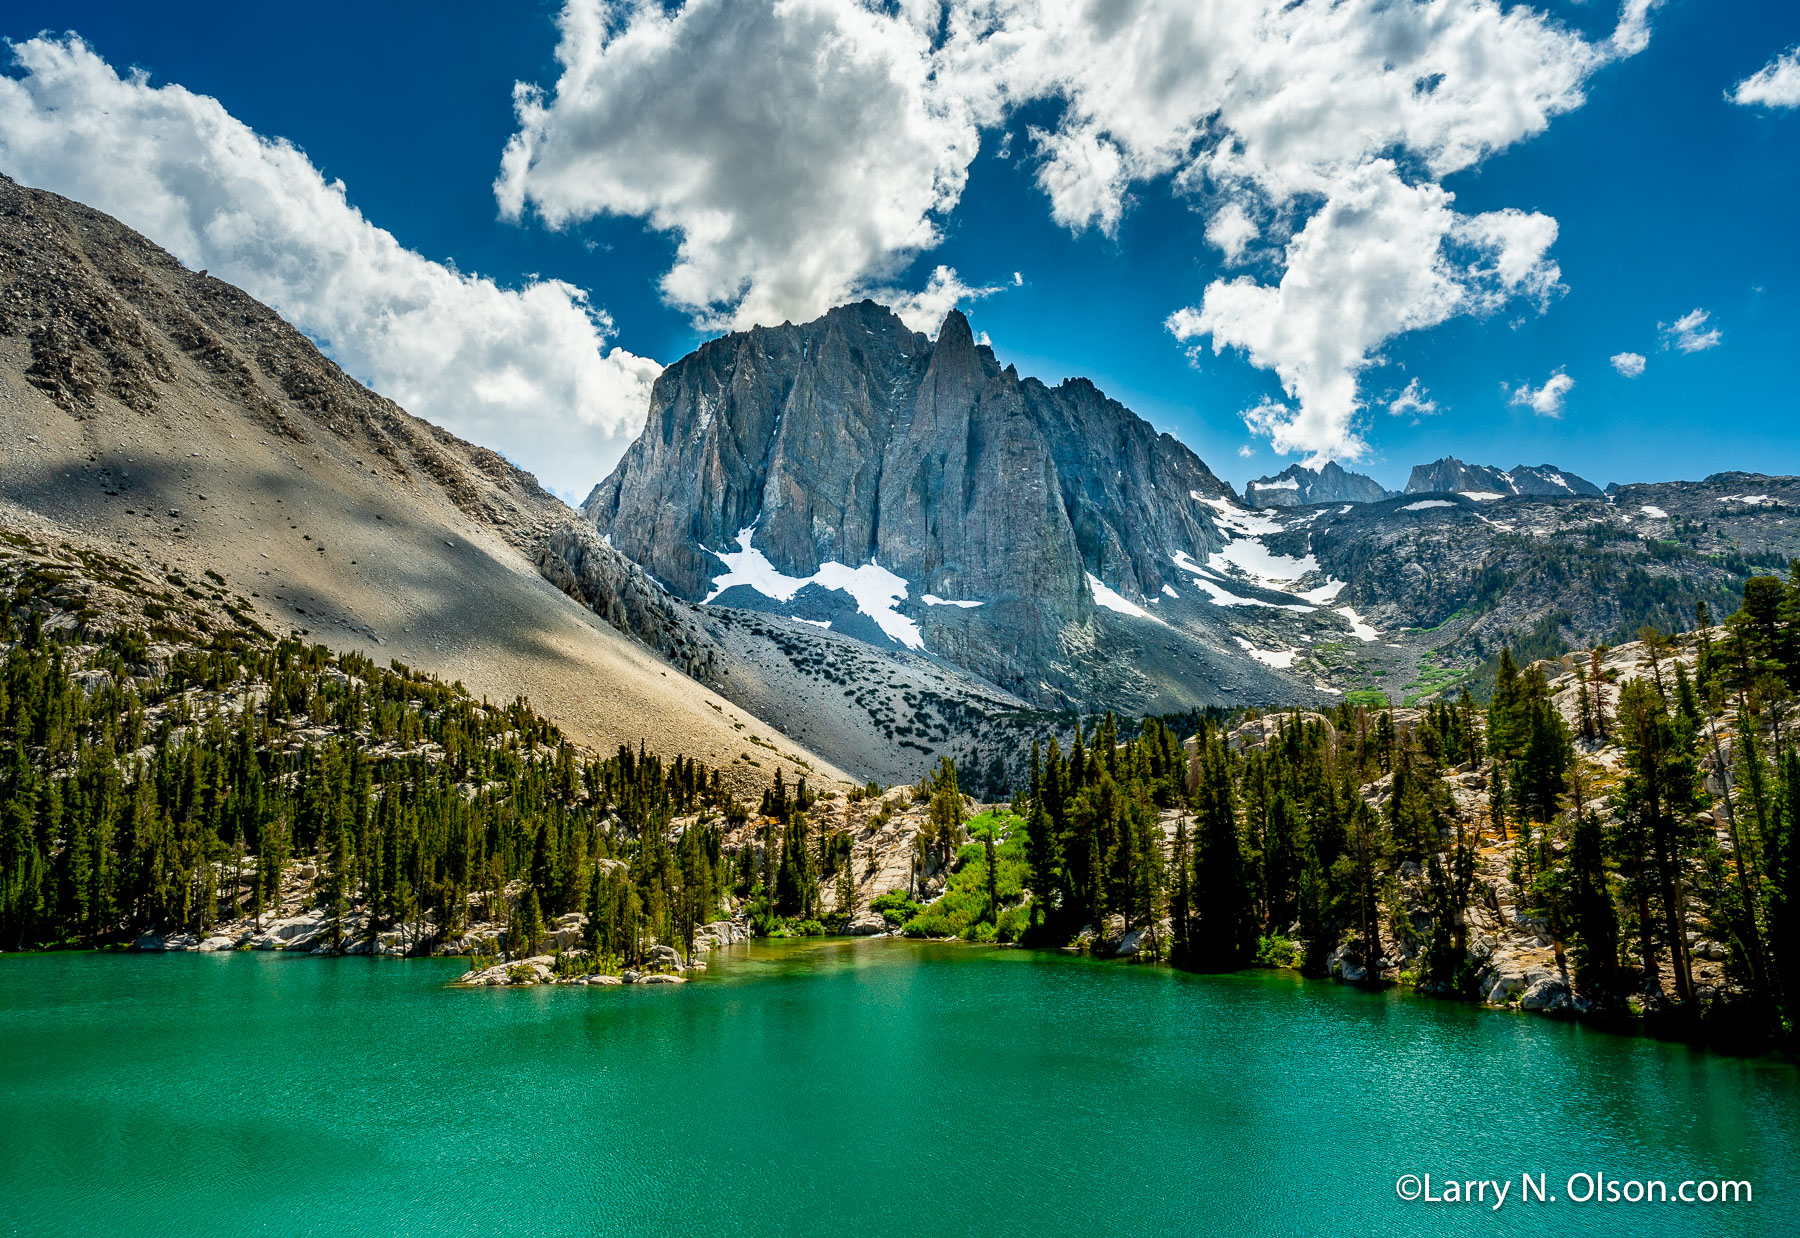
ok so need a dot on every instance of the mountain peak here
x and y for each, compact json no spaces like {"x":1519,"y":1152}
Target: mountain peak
{"x":808,"y":466}
{"x":955,"y":332}
{"x":1297,"y":486}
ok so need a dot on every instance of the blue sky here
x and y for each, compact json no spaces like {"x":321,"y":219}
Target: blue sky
{"x":1666,"y":198}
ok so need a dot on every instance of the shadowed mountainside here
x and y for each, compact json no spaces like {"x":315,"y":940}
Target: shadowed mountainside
{"x":172,"y":419}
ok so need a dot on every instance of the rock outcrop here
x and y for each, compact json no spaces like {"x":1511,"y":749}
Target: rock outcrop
{"x":662,"y":963}
{"x":575,"y":559}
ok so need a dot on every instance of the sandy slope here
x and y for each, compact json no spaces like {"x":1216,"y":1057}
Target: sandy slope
{"x":193,"y":428}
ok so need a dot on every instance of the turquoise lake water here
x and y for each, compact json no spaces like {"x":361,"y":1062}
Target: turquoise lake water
{"x":836,"y":1088}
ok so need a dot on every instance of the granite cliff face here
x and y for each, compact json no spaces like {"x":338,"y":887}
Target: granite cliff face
{"x":1452,"y":476}
{"x":965,"y":510}
{"x":1299,"y":486}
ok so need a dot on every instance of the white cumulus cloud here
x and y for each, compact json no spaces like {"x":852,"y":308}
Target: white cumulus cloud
{"x":1232,"y":230}
{"x":802,"y":152}
{"x":1414,"y":401}
{"x":1380,"y":258}
{"x":1776,"y":84}
{"x":1630,"y":364}
{"x":525,"y":371}
{"x":1547,"y":400}
{"x":1689,"y":333}
{"x":924,"y":310}
{"x":798,"y":149}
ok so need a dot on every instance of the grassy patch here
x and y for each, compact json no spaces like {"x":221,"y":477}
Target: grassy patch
{"x":963,"y":911}
{"x":1434,"y":680}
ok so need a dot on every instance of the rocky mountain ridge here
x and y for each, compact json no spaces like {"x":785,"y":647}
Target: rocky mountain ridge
{"x":858,"y":479}
{"x":888,"y":547}
{"x":1300,"y":486}
{"x":1481,"y":481}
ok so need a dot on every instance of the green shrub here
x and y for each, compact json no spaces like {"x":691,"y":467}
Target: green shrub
{"x":895,"y":907}
{"x":1277,"y":951}
{"x":1013,"y":922}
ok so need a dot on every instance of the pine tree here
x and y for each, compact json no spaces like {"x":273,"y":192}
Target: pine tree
{"x":1181,"y":895}
{"x":1598,"y":676}
{"x":1042,"y":855}
{"x":1225,"y":930}
{"x":1545,"y":753}
{"x":1593,"y":919}
{"x":1584,"y":708}
{"x":1659,"y":791}
{"x":1784,"y":896}
{"x":1281,"y":862}
{"x":1506,"y":710}
{"x":1450,"y":879}
{"x":1359,"y":875}
{"x":22,"y":862}
{"x":526,"y":930}
{"x":1685,"y":698}
{"x":1499,"y":802}
{"x":946,"y":811}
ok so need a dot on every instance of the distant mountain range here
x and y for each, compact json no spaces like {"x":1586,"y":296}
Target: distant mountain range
{"x":1300,"y":486}
{"x":1545,"y":481}
{"x":836,"y":546}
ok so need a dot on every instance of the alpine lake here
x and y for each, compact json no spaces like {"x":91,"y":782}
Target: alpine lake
{"x":842,"y":1087}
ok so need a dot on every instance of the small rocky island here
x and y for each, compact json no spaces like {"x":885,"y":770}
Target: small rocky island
{"x":661,"y":964}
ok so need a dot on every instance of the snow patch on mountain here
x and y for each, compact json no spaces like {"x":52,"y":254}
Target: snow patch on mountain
{"x":876,"y":591}
{"x":1247,"y":555}
{"x":1242,"y":521}
{"x":1221,"y":596}
{"x":1280,"y":659}
{"x":1185,"y":561}
{"x":1250,"y":557}
{"x":1103,"y":596}
{"x":1359,"y":629}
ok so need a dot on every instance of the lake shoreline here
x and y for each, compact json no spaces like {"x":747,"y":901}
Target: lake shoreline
{"x":541,"y":970}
